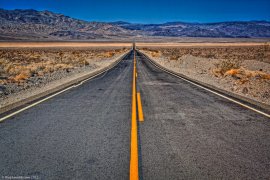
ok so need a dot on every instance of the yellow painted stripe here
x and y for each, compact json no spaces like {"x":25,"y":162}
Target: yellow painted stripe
{"x":133,"y":168}
{"x":140,"y":110}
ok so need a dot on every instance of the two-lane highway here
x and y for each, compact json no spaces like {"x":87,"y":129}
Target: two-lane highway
{"x":85,"y":132}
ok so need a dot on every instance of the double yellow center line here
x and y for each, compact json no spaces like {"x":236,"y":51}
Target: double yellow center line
{"x":134,"y":167}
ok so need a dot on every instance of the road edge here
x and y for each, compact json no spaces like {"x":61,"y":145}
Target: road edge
{"x":60,"y":87}
{"x":260,"y":106}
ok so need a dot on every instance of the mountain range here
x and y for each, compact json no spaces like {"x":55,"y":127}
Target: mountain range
{"x":45,"y":25}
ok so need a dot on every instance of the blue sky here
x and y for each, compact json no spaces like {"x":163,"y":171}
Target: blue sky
{"x":151,"y":11}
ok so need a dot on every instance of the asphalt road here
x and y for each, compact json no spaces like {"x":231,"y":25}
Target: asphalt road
{"x":187,"y":133}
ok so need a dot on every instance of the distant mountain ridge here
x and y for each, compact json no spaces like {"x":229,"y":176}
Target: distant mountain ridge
{"x":32,"y":24}
{"x":41,"y":25}
{"x":236,"y":29}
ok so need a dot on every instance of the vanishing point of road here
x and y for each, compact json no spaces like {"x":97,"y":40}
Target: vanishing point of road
{"x":88,"y":132}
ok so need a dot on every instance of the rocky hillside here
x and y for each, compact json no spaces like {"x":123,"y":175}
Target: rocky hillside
{"x":46,"y":25}
{"x":249,"y":29}
{"x":32,"y":24}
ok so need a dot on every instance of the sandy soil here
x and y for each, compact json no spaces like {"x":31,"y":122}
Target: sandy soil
{"x":206,"y":44}
{"x":243,"y":70}
{"x":62,"y":44}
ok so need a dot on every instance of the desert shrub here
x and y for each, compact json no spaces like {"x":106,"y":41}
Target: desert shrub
{"x":48,"y":69}
{"x":155,"y":53}
{"x":265,"y":76}
{"x":86,"y":63}
{"x":225,"y":66}
{"x":22,"y":76}
{"x":232,"y":72}
{"x":3,"y":81}
{"x":108,"y":54}
{"x":174,"y":57}
{"x":244,"y":74}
